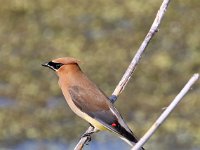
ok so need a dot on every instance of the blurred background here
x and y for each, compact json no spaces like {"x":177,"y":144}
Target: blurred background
{"x":104,"y":35}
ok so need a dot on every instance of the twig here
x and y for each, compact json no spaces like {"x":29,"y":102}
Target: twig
{"x":166,"y":113}
{"x":127,"y":75}
{"x":154,"y":28}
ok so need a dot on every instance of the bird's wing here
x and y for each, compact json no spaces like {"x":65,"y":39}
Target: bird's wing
{"x":95,"y":103}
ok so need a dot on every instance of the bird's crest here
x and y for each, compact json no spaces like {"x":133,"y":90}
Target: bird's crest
{"x":66,"y":60}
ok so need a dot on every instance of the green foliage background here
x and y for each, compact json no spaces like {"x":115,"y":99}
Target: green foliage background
{"x":104,"y":35}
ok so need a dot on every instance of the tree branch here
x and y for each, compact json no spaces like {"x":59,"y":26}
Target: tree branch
{"x":127,"y":75}
{"x":154,"y":28}
{"x":166,"y":113}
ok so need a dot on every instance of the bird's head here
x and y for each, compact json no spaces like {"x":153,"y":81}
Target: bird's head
{"x":58,"y":63}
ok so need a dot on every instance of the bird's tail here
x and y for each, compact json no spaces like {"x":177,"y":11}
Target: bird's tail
{"x":130,"y":142}
{"x":125,"y":134}
{"x":129,"y":137}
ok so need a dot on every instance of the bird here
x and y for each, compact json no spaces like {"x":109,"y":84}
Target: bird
{"x":87,"y":100}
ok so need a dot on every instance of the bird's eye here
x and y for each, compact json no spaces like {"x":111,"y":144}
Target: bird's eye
{"x":58,"y":65}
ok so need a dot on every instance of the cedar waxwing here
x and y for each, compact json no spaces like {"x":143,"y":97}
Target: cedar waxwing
{"x":87,"y":100}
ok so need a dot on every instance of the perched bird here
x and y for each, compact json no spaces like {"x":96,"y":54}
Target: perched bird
{"x":87,"y":100}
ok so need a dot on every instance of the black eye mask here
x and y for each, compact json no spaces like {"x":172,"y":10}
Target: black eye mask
{"x":54,"y":65}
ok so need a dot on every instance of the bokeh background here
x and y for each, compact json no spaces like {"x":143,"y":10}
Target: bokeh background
{"x":104,"y":35}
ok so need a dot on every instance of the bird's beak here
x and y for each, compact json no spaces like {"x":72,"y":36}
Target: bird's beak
{"x":45,"y":65}
{"x":49,"y":66}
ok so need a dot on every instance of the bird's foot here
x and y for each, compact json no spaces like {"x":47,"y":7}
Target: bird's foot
{"x":88,"y":136}
{"x":90,"y":132}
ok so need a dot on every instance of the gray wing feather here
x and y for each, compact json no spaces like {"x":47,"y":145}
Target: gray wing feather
{"x":97,"y":105}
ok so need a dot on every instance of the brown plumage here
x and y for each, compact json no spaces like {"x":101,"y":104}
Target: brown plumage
{"x":87,"y":100}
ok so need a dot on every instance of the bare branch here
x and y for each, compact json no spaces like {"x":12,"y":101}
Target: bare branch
{"x":127,"y":75}
{"x":154,"y":28}
{"x":166,"y":113}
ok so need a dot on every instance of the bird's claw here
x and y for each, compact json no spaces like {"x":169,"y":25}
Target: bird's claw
{"x":88,"y":136}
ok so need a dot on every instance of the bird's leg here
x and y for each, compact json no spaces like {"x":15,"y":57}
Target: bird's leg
{"x":89,"y":133}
